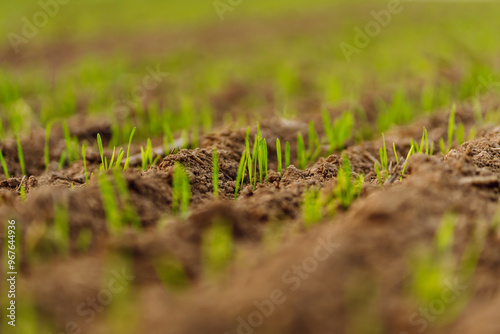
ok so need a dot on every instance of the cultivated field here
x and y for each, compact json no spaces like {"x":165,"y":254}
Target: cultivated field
{"x":250,"y":167}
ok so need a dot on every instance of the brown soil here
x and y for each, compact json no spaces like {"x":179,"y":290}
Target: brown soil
{"x":364,"y":278}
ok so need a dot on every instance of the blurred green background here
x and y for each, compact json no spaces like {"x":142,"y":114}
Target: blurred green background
{"x":280,"y":57}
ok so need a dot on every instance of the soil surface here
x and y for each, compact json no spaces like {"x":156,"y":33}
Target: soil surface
{"x":323,"y":279}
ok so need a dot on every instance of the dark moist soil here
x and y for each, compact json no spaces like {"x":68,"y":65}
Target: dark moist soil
{"x":363,"y":280}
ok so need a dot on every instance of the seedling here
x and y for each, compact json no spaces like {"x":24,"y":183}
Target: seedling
{"x":120,"y":211}
{"x":101,"y":152}
{"x":451,"y":129}
{"x":424,"y":147}
{"x":382,"y":169}
{"x":217,"y":248}
{"x":127,"y":162}
{"x":255,"y":153}
{"x":312,"y":207}
{"x":432,"y":268}
{"x":62,"y":159}
{"x":395,"y":153}
{"x":168,"y":138}
{"x":264,"y":154}
{"x":22,"y":192}
{"x":248,"y":156}
{"x":215,"y":173}
{"x":111,"y":208}
{"x":181,"y":191}
{"x":128,"y":212}
{"x":399,"y":111}
{"x":241,"y":174}
{"x":147,"y":155}
{"x":410,"y":152}
{"x":47,"y":147}
{"x":301,"y":153}
{"x":443,"y":240}
{"x":60,"y":230}
{"x":4,"y":165}
{"x":84,"y":147}
{"x":262,"y":158}
{"x":71,"y":144}
{"x":121,"y":152}
{"x":257,"y":159}
{"x":278,"y":151}
{"x":21,"y":156}
{"x":347,"y":189}
{"x":314,"y":149}
{"x":340,"y":132}
{"x":171,"y":272}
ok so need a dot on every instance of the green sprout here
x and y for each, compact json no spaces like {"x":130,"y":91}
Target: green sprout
{"x":127,"y":162}
{"x":398,"y":112}
{"x":22,"y":192}
{"x":71,"y":144}
{"x":128,"y":213}
{"x":4,"y":165}
{"x":147,"y":155}
{"x":241,"y":174}
{"x":217,"y":248}
{"x":382,"y":168}
{"x":256,"y":161}
{"x":347,"y":189}
{"x":120,"y":211}
{"x":171,"y":272}
{"x":338,"y":133}
{"x":60,"y":230}
{"x":431,"y":268}
{"x":443,"y":240}
{"x":424,"y":147}
{"x":84,"y":148}
{"x":395,"y":153}
{"x":278,"y":151}
{"x":168,"y":137}
{"x":262,"y":158}
{"x":314,"y":149}
{"x":410,"y":152}
{"x":248,"y":156}
{"x":301,"y":153}
{"x":265,"y":155}
{"x":181,"y":191}
{"x":451,"y":129}
{"x":121,"y":152}
{"x":101,"y":152}
{"x":255,"y":152}
{"x":111,"y":208}
{"x":62,"y":159}
{"x":215,"y":173}
{"x":312,"y":208}
{"x":21,"y":156}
